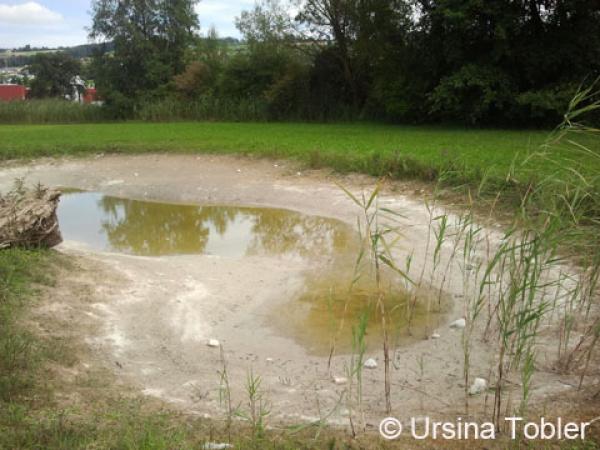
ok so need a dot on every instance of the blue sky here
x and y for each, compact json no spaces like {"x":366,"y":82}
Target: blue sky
{"x":53,"y":23}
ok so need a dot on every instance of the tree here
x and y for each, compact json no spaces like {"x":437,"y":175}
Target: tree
{"x":270,"y":21}
{"x":53,"y":73}
{"x":360,"y":35}
{"x":150,"y":39}
{"x":499,"y":62}
{"x":331,"y":21}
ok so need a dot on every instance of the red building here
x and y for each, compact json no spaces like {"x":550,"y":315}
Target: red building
{"x":90,"y":96}
{"x":12,"y":92}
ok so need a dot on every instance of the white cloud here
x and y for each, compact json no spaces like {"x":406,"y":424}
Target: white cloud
{"x":29,"y":13}
{"x":222,"y":14}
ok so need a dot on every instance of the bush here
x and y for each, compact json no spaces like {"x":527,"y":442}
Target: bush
{"x":544,"y":106}
{"x":474,"y":94}
{"x":287,"y":96}
{"x":196,"y":80}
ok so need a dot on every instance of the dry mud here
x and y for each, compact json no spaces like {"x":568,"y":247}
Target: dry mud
{"x":150,"y":317}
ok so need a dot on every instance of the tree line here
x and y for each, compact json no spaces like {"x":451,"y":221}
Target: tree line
{"x":496,"y":62}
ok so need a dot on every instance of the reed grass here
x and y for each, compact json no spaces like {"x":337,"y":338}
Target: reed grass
{"x":49,"y":112}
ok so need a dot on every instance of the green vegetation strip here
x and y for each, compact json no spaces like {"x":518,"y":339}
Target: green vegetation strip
{"x":360,"y":147}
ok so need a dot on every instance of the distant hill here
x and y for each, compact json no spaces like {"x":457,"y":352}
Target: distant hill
{"x":19,"y":57}
{"x":22,"y":56}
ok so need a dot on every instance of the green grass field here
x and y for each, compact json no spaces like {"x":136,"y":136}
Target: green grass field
{"x":342,"y":146}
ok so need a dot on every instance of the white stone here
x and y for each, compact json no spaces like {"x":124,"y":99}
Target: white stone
{"x":340,"y":380}
{"x":216,"y":446}
{"x":213,"y":343}
{"x":370,"y":364}
{"x":269,"y":360}
{"x":239,"y":171}
{"x":458,"y":324}
{"x":435,"y":336}
{"x":478,"y":386}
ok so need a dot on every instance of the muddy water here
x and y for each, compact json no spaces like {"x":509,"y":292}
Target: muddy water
{"x":156,"y":229}
{"x":328,"y":310}
{"x":327,"y":316}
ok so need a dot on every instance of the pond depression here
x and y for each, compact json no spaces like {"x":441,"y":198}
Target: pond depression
{"x":334,"y":297}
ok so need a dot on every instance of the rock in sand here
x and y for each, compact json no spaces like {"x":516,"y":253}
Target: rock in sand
{"x":458,"y":324}
{"x":370,"y":364}
{"x":478,"y":386}
{"x":213,"y":343}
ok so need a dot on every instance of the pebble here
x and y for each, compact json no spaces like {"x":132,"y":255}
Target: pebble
{"x":458,"y":324}
{"x":478,"y":386}
{"x":340,"y":380}
{"x":269,"y":360}
{"x":370,"y":364}
{"x":216,"y":446}
{"x":435,"y":336}
{"x":213,"y":343}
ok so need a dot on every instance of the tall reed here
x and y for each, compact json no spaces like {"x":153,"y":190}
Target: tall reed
{"x":49,"y":111}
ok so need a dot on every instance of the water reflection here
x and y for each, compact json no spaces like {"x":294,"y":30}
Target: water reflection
{"x":154,"y":229}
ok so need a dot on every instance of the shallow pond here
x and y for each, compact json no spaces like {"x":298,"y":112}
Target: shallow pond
{"x":326,"y":313}
{"x":148,"y":228}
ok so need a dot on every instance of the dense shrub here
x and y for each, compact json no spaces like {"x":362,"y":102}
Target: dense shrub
{"x":473,"y":94}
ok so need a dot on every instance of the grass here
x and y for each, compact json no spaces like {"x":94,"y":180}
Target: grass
{"x":361,"y":147}
{"x":402,"y":151}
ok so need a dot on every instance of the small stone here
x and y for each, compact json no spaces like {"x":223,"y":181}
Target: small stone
{"x":216,"y":446}
{"x":340,"y":380}
{"x":458,"y":324}
{"x":435,"y":336}
{"x":298,"y":173}
{"x":269,"y":360}
{"x":136,"y":174}
{"x":239,"y":171}
{"x":478,"y":386}
{"x":213,"y":343}
{"x":370,"y":364}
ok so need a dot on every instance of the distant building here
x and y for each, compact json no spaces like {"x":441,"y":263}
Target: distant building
{"x":90,"y":96}
{"x":12,"y":92}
